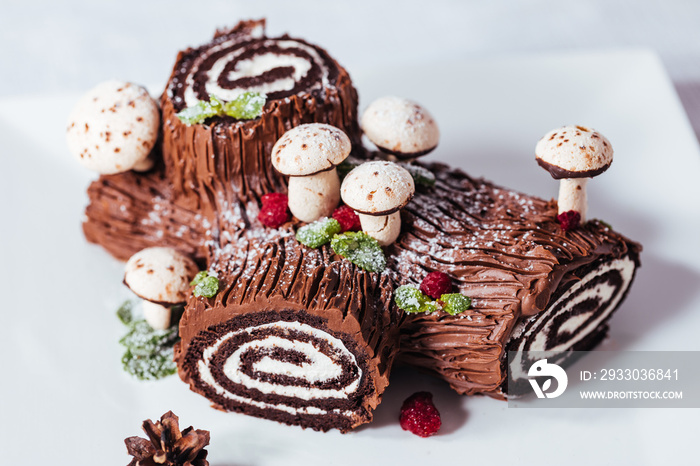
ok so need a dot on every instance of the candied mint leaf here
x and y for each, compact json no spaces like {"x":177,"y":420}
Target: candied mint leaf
{"x":346,"y":166}
{"x":246,"y":106}
{"x":318,"y":233}
{"x":421,"y":175}
{"x":360,"y":249}
{"x":125,"y":312}
{"x":149,"y":352}
{"x":199,"y":277}
{"x":152,"y":366}
{"x":412,"y":300}
{"x":201,"y":111}
{"x":207,"y":287}
{"x":454,"y":303}
{"x":142,"y":339}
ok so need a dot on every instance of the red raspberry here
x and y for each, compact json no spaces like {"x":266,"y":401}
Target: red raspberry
{"x":274,"y":215}
{"x":569,"y":220}
{"x":419,"y":415}
{"x":348,"y":219}
{"x":274,"y":198}
{"x":436,"y":284}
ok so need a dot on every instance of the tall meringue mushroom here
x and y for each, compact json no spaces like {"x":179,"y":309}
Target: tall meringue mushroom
{"x":400,"y":127}
{"x":377,"y":191}
{"x":308,"y":154}
{"x":161,"y":277}
{"x":574,"y":155}
{"x":113,"y":128}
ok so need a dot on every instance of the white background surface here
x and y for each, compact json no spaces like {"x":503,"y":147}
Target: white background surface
{"x":480,"y":67}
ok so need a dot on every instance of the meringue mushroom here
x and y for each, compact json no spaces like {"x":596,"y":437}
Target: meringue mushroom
{"x":574,"y":155}
{"x":308,"y":154}
{"x":113,"y":128}
{"x":161,"y":276}
{"x":400,"y":127}
{"x":377,"y":191}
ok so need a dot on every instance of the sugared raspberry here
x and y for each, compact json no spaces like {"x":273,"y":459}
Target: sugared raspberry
{"x":274,"y":198}
{"x":419,"y":415}
{"x":348,"y":219}
{"x":569,"y":220}
{"x":436,"y":284}
{"x":274,"y":215}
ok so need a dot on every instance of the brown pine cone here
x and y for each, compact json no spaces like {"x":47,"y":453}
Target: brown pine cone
{"x":166,"y":445}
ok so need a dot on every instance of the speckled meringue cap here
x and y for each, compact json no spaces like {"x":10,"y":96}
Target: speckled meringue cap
{"x":574,"y":152}
{"x":309,"y":149}
{"x":160,"y":275}
{"x":377,"y":188}
{"x":400,"y":127}
{"x":113,"y":127}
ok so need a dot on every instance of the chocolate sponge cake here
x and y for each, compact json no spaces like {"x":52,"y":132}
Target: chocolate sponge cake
{"x":534,"y":287}
{"x":300,"y":333}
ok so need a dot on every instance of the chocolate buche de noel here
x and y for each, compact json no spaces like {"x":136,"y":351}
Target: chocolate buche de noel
{"x":330,"y":260}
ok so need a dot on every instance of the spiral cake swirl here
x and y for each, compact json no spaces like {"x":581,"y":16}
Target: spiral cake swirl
{"x":575,"y":321}
{"x":300,"y":335}
{"x":292,"y":336}
{"x":248,"y":62}
{"x":226,"y":160}
{"x":506,"y":251}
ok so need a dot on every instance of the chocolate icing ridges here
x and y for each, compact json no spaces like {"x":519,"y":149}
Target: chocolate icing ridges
{"x":227,"y":160}
{"x":272,"y":278}
{"x":283,"y":308}
{"x":503,"y":249}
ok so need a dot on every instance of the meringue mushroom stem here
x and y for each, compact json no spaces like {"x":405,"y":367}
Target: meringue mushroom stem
{"x":157,"y":315}
{"x":314,"y":196}
{"x":384,"y":228}
{"x":144,"y":165}
{"x":572,"y":196}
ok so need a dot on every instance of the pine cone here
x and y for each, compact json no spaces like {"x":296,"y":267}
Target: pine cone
{"x":167,"y":445}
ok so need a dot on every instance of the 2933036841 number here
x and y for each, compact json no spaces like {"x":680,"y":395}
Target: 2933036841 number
{"x":638,"y":374}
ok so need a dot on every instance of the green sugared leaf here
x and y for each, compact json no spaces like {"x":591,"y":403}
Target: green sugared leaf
{"x":151,"y":366}
{"x":454,"y":303}
{"x":125,"y":312}
{"x":346,"y":166}
{"x":360,"y":249}
{"x":205,"y":284}
{"x":201,"y":111}
{"x":199,"y":277}
{"x":318,"y":233}
{"x":412,"y":300}
{"x":246,"y":106}
{"x":421,"y":175}
{"x":142,"y":339}
{"x":208,"y":287}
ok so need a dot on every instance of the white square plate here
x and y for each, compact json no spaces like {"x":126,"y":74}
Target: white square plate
{"x":65,"y":400}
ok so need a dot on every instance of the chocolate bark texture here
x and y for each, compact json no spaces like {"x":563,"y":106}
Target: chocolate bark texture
{"x":294,"y":334}
{"x":225,"y":160}
{"x":506,"y":251}
{"x":301,"y":335}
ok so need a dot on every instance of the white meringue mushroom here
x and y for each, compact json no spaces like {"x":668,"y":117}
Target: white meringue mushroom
{"x":309,"y":154}
{"x":161,"y":276}
{"x":400,"y":127}
{"x":113,"y":127}
{"x":574,"y":155}
{"x":377,"y":191}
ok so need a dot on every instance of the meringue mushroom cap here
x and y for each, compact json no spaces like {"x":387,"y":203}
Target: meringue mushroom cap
{"x":400,"y":126}
{"x":309,"y":149}
{"x":113,"y":127}
{"x":377,"y":188}
{"x":161,"y":275}
{"x":574,"y":152}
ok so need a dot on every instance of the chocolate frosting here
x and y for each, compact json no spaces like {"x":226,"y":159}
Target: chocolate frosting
{"x":502,"y":248}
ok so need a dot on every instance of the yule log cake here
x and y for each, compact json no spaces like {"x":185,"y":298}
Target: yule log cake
{"x":309,"y":310}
